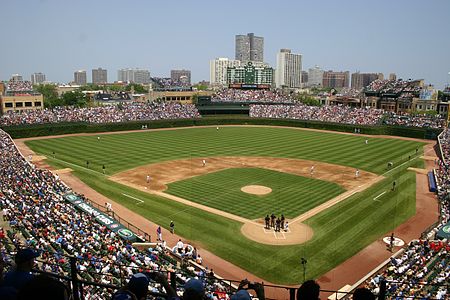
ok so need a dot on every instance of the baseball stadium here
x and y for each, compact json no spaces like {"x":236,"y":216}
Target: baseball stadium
{"x":333,"y":194}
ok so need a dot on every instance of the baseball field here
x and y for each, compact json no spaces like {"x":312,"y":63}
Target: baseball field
{"x":251,"y":172}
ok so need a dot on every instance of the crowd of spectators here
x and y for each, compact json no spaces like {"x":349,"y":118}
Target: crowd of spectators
{"x":349,"y":92}
{"x":376,"y":85}
{"x":101,"y":114}
{"x":169,"y":82}
{"x":42,"y":220}
{"x":326,"y":113}
{"x":238,"y":95}
{"x":159,"y":111}
{"x":18,"y":86}
{"x":415,"y":120}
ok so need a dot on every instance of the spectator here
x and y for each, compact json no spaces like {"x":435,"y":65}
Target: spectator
{"x":43,"y":287}
{"x":25,"y":262}
{"x":309,"y":290}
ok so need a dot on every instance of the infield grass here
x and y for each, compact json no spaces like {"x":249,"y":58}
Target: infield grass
{"x":339,"y":232}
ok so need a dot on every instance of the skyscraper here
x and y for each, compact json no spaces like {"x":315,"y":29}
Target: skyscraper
{"x":315,"y":76}
{"x":80,"y":77}
{"x":336,"y":79}
{"x":16,"y":78}
{"x":360,"y":80}
{"x":37,"y":78}
{"x":289,"y":69}
{"x":218,"y":70}
{"x":135,"y":75}
{"x":99,"y":76}
{"x":249,"y":48}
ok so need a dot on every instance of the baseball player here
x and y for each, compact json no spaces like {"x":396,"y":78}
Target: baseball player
{"x":148,"y":178}
{"x":98,"y":138}
{"x":103,"y":169}
{"x":312,"y":169}
{"x":367,"y":142}
{"x":87,"y":163}
{"x":217,"y":129}
{"x":204,"y":162}
{"x":356,"y":174}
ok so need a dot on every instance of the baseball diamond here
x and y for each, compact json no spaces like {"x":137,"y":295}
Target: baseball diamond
{"x":332,"y":216}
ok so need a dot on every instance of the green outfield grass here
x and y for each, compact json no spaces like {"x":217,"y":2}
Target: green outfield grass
{"x":339,"y":232}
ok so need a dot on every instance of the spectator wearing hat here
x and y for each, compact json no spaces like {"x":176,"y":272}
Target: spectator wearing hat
{"x":194,"y":290}
{"x":136,"y":288}
{"x":24,"y":262}
{"x":243,"y":294}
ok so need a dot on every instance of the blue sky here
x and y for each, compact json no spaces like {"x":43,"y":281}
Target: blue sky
{"x":409,"y":38}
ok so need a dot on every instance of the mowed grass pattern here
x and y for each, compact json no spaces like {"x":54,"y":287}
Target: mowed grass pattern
{"x":120,"y":152}
{"x":339,"y":232}
{"x":291,"y":195}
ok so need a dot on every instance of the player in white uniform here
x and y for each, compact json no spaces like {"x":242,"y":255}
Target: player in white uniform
{"x":204,"y":162}
{"x":356,"y":174}
{"x":148,"y":178}
{"x":312,"y":169}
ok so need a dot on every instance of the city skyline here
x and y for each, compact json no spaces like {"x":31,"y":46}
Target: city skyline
{"x":409,"y":38}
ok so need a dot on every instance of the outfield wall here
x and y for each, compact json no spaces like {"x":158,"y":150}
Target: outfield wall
{"x":58,"y":129}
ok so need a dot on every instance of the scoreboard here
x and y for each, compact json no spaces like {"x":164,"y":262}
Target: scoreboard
{"x":250,"y":76}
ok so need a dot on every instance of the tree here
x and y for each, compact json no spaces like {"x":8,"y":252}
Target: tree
{"x":201,"y":87}
{"x":49,"y":95}
{"x":74,"y":98}
{"x":306,"y":99}
{"x":91,"y":87}
{"x":194,"y":98}
{"x":137,"y":88}
{"x":115,"y":87}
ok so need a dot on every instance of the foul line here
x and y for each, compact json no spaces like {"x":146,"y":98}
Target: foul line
{"x":379,"y":196}
{"x":141,"y":201}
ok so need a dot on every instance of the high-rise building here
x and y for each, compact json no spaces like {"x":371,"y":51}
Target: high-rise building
{"x":289,"y":69}
{"x":80,"y":77}
{"x":218,"y":70}
{"x":392,"y":76}
{"x":99,"y":76}
{"x":37,"y":78}
{"x":362,"y":80}
{"x":16,"y":78}
{"x":305,"y":77}
{"x":181,"y":75}
{"x":315,"y":76}
{"x":249,"y":48}
{"x":135,"y":75}
{"x":336,"y":79}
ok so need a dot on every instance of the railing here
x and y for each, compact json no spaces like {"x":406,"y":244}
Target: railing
{"x":143,"y":235}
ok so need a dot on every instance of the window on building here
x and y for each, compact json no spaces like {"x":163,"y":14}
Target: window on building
{"x":19,"y":104}
{"x":9,"y":104}
{"x":37,"y":103}
{"x":28,"y":104}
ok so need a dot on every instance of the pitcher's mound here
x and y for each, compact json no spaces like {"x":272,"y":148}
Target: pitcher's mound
{"x":298,"y":233}
{"x":256,"y":189}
